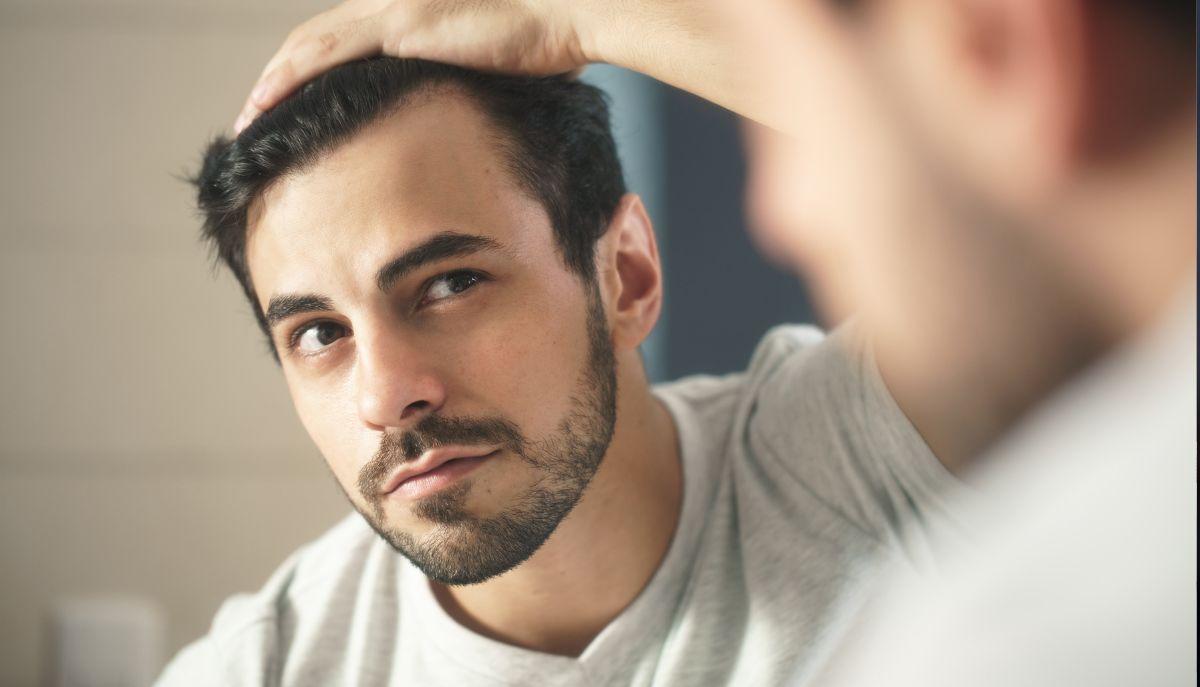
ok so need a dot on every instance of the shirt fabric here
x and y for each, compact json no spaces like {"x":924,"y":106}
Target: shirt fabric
{"x":1083,"y":569}
{"x":797,"y":475}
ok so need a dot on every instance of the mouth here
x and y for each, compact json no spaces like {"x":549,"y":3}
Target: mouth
{"x":434,"y":470}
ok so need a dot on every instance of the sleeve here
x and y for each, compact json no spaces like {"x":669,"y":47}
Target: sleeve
{"x":242,"y":646}
{"x":824,"y":421}
{"x":196,"y":666}
{"x":237,"y":650}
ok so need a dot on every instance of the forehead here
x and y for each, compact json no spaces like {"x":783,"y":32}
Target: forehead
{"x":432,"y":166}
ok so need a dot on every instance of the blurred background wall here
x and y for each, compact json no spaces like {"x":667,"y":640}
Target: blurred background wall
{"x":149,"y":457}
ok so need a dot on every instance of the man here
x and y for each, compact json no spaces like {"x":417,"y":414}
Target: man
{"x":1025,"y":264}
{"x":455,"y":283}
{"x":1004,"y":191}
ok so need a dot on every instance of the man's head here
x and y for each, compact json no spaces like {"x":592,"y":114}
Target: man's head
{"x":554,"y":133}
{"x":447,"y":267}
{"x":986,"y":183}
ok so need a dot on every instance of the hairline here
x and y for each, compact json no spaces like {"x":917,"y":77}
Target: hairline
{"x":504,"y":143}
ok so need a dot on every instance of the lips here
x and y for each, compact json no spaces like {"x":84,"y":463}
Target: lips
{"x":435,"y":460}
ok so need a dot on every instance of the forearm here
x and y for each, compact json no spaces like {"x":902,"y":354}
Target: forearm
{"x":725,"y":51}
{"x":705,"y":47}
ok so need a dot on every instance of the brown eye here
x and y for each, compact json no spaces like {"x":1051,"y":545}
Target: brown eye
{"x":318,"y":335}
{"x":451,"y":284}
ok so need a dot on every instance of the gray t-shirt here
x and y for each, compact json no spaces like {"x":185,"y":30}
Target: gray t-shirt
{"x":797,"y":474}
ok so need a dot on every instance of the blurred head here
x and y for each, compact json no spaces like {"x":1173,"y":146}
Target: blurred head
{"x":987,"y":184}
{"x":436,"y":257}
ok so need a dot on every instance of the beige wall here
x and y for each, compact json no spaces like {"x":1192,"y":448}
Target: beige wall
{"x":147,"y":444}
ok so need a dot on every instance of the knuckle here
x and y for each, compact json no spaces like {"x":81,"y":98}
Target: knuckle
{"x":327,"y":42}
{"x":391,"y":44}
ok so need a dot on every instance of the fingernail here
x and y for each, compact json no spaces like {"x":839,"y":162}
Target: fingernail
{"x":242,"y":120}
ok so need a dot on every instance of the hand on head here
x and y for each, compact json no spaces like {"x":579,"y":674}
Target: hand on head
{"x":497,"y":35}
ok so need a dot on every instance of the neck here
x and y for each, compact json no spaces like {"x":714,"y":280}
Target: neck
{"x":603,"y":553}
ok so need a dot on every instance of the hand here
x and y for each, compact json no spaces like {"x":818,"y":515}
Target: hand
{"x":515,"y":36}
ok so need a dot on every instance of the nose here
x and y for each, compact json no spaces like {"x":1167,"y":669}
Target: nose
{"x":397,"y":385}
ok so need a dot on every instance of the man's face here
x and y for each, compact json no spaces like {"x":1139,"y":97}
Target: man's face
{"x":422,"y":313}
{"x":887,"y":196}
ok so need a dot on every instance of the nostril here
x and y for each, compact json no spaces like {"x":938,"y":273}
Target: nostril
{"x":415,"y":407}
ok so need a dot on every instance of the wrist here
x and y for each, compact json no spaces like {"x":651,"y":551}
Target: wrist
{"x":589,"y":20}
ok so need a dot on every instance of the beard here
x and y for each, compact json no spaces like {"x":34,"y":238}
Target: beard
{"x":464,"y":548}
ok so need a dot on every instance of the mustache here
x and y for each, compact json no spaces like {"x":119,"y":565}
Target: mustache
{"x":431,"y":432}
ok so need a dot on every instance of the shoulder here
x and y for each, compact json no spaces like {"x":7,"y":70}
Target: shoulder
{"x":251,"y":633}
{"x":800,"y":371}
{"x":783,"y":343}
{"x":813,"y":430}
{"x":765,"y":414}
{"x":307,"y":576}
{"x":720,"y":395}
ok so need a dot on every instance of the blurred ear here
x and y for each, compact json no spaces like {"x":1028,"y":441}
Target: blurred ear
{"x":630,"y":274}
{"x":996,"y":86}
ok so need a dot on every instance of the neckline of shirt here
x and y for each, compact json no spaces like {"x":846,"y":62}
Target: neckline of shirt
{"x":649,"y":613}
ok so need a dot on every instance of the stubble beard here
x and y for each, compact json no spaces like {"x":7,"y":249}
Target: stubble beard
{"x":463,"y":548}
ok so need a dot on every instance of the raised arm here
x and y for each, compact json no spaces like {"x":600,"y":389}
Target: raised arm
{"x":700,"y":46}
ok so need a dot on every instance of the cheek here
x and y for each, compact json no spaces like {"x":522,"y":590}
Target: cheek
{"x":522,"y":365}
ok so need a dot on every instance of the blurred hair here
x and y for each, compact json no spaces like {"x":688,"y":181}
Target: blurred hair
{"x":1176,"y":18}
{"x":555,"y":137}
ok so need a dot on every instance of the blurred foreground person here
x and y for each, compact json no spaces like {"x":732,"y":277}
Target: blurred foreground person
{"x":455,"y":285}
{"x":1004,"y":192}
{"x":1007,"y":197}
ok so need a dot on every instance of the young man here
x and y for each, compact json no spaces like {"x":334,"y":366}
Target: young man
{"x":455,"y":284}
{"x":1004,"y":191}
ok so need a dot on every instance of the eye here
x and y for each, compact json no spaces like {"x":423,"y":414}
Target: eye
{"x":316,"y":336}
{"x":451,"y":284}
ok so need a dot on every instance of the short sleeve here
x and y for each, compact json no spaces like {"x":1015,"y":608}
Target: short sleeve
{"x":196,"y":666}
{"x":241,"y":647}
{"x":823,"y":421}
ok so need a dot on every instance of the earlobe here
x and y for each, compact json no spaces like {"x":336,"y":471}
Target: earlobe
{"x":635,"y":273}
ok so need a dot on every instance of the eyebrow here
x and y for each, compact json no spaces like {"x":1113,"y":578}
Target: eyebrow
{"x":282,"y":307}
{"x":447,"y":244}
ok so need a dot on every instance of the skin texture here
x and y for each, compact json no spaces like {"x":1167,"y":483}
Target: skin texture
{"x":515,"y":346}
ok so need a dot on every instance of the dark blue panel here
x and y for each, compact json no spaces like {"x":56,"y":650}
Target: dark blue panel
{"x":721,"y":296}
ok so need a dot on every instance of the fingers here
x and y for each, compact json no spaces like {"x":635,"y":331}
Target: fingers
{"x":310,"y":51}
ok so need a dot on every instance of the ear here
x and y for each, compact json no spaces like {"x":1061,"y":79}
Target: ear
{"x":997,"y":86}
{"x":630,"y":274}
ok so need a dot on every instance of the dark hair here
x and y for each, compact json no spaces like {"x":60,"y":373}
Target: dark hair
{"x":555,"y":138}
{"x":1174,"y":21}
